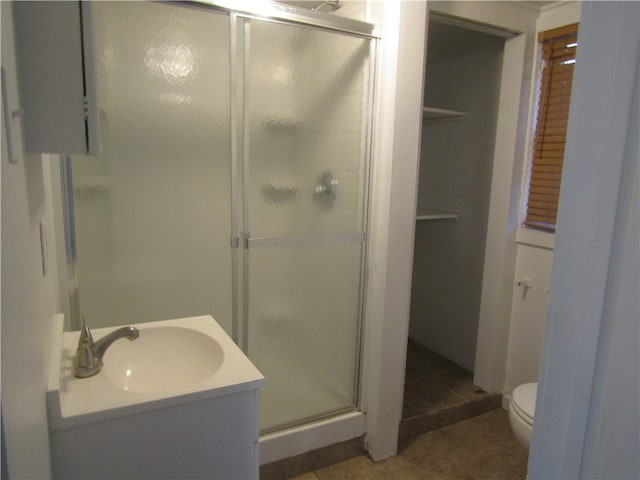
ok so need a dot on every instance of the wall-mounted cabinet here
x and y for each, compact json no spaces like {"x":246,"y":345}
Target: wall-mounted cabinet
{"x":56,"y":75}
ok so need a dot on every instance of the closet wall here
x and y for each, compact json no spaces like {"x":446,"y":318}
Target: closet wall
{"x":463,"y":74}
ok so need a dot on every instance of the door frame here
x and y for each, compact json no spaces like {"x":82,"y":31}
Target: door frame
{"x":397,"y":152}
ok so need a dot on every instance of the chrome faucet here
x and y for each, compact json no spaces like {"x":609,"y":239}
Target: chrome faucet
{"x":88,"y":359}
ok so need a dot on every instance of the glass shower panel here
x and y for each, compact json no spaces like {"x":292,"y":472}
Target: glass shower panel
{"x":306,"y":99}
{"x":152,"y":213}
{"x":304,"y":330}
{"x":307,"y":103}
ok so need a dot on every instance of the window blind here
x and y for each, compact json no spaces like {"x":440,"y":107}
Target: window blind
{"x":559,"y":53}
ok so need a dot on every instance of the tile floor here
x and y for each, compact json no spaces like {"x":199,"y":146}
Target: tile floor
{"x":434,"y":383}
{"x":482,"y":447}
{"x":439,"y":393}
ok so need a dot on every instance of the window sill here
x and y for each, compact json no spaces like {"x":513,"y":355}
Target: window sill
{"x":535,"y":238}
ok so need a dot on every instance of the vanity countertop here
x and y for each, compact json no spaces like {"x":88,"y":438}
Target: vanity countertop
{"x":75,"y":401}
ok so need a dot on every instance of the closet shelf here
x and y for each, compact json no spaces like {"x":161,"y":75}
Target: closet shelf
{"x":430,"y":214}
{"x":432,"y":113}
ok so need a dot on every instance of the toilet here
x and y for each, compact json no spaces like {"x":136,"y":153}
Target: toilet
{"x":521,"y":410}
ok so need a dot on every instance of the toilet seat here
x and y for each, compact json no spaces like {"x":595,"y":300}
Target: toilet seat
{"x":521,"y":415}
{"x":523,"y":401}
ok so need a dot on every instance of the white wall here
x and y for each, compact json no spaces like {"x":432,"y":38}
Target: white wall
{"x":586,"y":419}
{"x":529,"y":309}
{"x":534,"y":255}
{"x":613,"y":432}
{"x":394,"y":190}
{"x":27,"y":294}
{"x":27,"y":313}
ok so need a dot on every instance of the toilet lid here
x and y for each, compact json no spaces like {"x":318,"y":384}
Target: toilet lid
{"x":524,"y":398}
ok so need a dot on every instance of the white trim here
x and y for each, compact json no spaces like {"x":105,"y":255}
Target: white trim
{"x":304,"y":241}
{"x":506,"y":400}
{"x":558,"y":15}
{"x":512,"y":16}
{"x":555,"y":16}
{"x":302,"y":439}
{"x":535,"y":238}
{"x":500,"y":251}
{"x":470,"y":25}
{"x":534,"y":87}
{"x":555,"y":5}
{"x":271,"y":11}
{"x":396,"y":150}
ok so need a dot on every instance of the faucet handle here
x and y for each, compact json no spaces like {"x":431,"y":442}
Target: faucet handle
{"x":86,"y":362}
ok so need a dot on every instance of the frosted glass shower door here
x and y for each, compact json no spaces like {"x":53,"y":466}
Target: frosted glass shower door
{"x":152,"y":212}
{"x":306,"y":95}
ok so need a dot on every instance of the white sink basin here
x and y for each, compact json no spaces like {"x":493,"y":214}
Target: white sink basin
{"x":162,"y":359}
{"x":172,"y":362}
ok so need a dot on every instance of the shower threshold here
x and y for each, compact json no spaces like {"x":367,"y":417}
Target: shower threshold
{"x":438,"y":393}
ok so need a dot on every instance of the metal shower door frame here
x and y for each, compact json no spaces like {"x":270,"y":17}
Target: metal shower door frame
{"x":242,"y":241}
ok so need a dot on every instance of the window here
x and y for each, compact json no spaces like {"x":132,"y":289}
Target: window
{"x":559,"y":56}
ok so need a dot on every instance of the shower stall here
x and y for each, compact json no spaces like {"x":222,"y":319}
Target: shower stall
{"x":233,"y":182}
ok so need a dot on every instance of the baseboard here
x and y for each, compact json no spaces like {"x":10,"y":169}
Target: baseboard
{"x":305,"y":438}
{"x":313,"y":460}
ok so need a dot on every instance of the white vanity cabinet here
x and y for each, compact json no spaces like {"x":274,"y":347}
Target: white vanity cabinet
{"x":56,"y":76}
{"x":215,"y":437}
{"x":176,"y":422}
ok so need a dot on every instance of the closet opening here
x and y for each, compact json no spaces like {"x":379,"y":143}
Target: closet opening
{"x":464,"y":62}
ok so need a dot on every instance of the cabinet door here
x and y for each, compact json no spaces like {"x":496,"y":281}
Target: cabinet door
{"x":56,"y":76}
